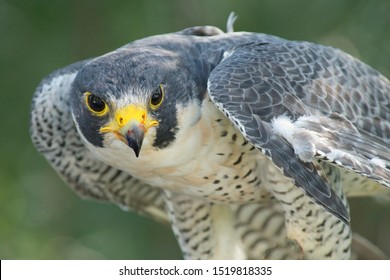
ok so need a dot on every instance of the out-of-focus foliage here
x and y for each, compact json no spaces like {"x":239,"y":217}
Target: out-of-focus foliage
{"x":40,"y":217}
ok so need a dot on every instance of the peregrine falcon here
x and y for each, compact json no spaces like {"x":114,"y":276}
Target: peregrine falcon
{"x":246,"y":143}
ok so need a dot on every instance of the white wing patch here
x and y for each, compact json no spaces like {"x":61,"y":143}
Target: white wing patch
{"x":333,"y":140}
{"x":379,"y":162}
{"x":301,"y":139}
{"x":284,"y":126}
{"x":308,"y":144}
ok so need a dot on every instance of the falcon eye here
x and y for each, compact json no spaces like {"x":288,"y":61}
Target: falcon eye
{"x":95,"y":104}
{"x":157,"y":97}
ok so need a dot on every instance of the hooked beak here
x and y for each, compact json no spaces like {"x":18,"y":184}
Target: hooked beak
{"x":135,"y":136}
{"x":130,"y":126}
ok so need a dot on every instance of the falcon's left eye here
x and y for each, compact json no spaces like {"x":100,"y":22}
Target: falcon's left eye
{"x":96,"y":104}
{"x":157,"y":97}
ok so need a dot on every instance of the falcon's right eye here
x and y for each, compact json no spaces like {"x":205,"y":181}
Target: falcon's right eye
{"x":95,"y":104}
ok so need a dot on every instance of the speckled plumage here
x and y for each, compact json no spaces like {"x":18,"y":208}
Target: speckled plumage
{"x":258,"y":141}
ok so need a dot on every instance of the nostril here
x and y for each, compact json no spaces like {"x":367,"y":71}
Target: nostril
{"x":120,"y":120}
{"x":143,"y":117}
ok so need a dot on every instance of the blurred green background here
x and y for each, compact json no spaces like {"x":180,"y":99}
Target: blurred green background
{"x":40,"y":217}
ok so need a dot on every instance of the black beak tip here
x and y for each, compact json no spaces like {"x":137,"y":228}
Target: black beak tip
{"x":134,"y":144}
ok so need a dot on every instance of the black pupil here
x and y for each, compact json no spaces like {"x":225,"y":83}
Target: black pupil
{"x":156,"y":97}
{"x":96,"y":103}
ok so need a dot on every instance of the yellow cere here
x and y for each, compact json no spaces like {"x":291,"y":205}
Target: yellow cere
{"x":128,"y":114}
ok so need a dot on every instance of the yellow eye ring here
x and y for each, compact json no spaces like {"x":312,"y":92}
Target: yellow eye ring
{"x":157,"y":97}
{"x":95,"y":104}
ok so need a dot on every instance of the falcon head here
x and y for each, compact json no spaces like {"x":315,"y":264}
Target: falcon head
{"x":136,"y":98}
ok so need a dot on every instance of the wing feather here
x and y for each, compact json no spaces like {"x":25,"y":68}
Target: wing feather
{"x":346,"y":101}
